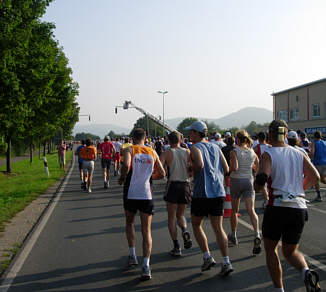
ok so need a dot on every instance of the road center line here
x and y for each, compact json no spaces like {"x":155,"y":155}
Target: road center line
{"x":19,"y":262}
{"x":312,"y":261}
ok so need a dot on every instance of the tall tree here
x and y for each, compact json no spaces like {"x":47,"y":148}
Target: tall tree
{"x":185,"y":123}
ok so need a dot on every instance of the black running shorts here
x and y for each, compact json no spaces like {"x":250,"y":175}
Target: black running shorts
{"x":144,"y":206}
{"x":203,"y":206}
{"x":284,"y":222}
{"x":106,"y":163}
{"x":80,"y":165}
{"x":178,"y":192}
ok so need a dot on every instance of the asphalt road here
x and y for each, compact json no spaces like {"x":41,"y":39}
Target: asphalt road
{"x":82,"y":247}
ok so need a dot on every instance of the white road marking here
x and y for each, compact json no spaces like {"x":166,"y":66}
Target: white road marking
{"x":19,"y":262}
{"x":312,"y":261}
{"x":316,"y":209}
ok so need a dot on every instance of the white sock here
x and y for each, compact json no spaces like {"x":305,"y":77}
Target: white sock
{"x":207,"y":255}
{"x":257,"y":234}
{"x":303,"y":272}
{"x":105,"y":180}
{"x":234,"y":234}
{"x":132,"y":251}
{"x":226,"y":260}
{"x":146,"y":262}
{"x":279,"y":289}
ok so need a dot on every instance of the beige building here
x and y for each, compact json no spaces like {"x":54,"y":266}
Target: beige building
{"x":303,"y":106}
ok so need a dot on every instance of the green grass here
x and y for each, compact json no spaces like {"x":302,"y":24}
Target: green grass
{"x":25,"y":184}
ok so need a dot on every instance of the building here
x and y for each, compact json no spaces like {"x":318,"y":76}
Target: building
{"x":303,"y":106}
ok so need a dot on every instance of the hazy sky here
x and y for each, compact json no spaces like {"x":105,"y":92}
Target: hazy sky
{"x":214,"y":57}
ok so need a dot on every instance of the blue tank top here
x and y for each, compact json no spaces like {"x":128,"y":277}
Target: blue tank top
{"x":209,"y":182}
{"x":320,"y":152}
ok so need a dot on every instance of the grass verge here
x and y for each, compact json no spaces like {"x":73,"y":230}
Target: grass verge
{"x":25,"y":184}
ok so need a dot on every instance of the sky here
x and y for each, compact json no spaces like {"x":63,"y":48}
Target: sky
{"x":213,"y":57}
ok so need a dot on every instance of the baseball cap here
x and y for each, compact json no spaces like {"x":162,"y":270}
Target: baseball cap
{"x":198,"y":126}
{"x":227,"y":134}
{"x":292,"y":135}
{"x":217,"y":135}
{"x":107,"y":138}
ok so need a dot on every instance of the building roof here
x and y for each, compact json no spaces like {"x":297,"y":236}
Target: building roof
{"x":300,"y":86}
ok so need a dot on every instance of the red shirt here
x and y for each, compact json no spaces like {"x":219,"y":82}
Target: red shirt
{"x":106,"y":148}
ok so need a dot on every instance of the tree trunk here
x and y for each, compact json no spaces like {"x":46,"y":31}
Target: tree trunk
{"x":31,"y":146}
{"x":49,"y":147}
{"x":8,"y":153}
{"x":44,"y":148}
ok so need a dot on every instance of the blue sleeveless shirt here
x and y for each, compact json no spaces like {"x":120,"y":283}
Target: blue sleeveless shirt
{"x":209,"y":181}
{"x":320,"y":152}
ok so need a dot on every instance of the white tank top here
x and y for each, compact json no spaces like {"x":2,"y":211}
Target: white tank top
{"x":287,"y":176}
{"x":246,"y":158}
{"x":178,"y":167}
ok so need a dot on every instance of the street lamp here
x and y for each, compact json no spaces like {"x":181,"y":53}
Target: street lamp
{"x":163,"y":93}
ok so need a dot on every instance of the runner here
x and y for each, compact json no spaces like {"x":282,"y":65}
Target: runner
{"x":125,"y":145}
{"x":158,"y":146}
{"x":178,"y":193}
{"x":261,"y":147}
{"x":117,"y":157}
{"x":62,"y":154}
{"x":136,"y":173}
{"x":304,"y":142}
{"x":293,"y":140}
{"x":218,"y":141}
{"x":80,"y":164}
{"x":88,"y":154}
{"x":208,"y":164}
{"x":318,"y":153}
{"x":285,"y":216}
{"x":108,"y":151}
{"x":243,"y":161}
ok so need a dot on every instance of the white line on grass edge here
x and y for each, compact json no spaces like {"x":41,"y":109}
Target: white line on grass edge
{"x":15,"y":268}
{"x":314,"y":262}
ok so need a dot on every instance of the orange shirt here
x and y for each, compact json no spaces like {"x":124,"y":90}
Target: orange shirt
{"x":88,"y":153}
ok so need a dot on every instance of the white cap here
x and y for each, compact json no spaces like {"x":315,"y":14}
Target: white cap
{"x":218,"y":135}
{"x":227,"y":134}
{"x":292,"y":135}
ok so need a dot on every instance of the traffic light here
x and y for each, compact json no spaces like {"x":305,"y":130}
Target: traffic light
{"x":116,"y":110}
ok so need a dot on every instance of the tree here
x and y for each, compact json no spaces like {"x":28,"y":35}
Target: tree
{"x":253,"y":128}
{"x":185,"y":123}
{"x":84,"y":136}
{"x":154,"y":128}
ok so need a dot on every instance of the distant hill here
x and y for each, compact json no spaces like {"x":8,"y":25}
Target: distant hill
{"x":239,"y":119}
{"x":99,"y":129}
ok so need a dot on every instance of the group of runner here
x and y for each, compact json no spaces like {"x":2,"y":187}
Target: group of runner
{"x":280,"y":172}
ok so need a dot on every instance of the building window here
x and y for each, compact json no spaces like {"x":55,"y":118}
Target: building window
{"x":282,"y":115}
{"x":316,"y":110}
{"x":294,"y":114}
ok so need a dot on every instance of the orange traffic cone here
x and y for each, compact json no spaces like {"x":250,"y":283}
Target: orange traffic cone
{"x":227,"y":204}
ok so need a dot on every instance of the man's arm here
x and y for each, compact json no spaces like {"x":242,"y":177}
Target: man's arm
{"x":311,"y":175}
{"x":196,"y":158}
{"x":264,"y":172}
{"x":225,"y":165}
{"x":312,"y":150}
{"x":159,"y":171}
{"x":125,"y":164}
{"x":189,"y":163}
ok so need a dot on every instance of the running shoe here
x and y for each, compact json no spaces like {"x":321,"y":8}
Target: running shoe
{"x":186,"y":240}
{"x":208,"y":263}
{"x":232,"y":240}
{"x":115,"y":173}
{"x":257,"y":246}
{"x":106,"y":185}
{"x":82,"y":185}
{"x":311,"y":280}
{"x":132,"y":262}
{"x":176,"y":252}
{"x":146,"y":273}
{"x":225,"y":270}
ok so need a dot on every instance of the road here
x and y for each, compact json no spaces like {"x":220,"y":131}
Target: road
{"x":80,"y":245}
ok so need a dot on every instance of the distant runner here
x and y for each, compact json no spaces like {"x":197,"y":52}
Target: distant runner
{"x":108,"y":151}
{"x":88,"y":154}
{"x":62,"y":147}
{"x":80,"y":164}
{"x":116,"y":156}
